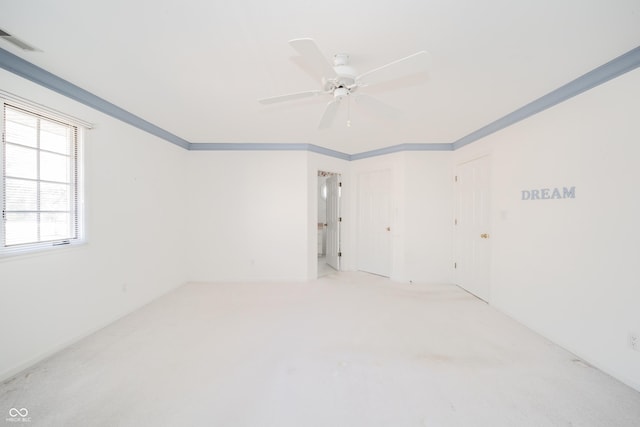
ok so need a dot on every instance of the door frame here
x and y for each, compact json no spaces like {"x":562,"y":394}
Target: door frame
{"x":340,"y":230}
{"x":333,"y":247}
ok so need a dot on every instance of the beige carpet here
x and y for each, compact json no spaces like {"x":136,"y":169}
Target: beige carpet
{"x":349,"y":349}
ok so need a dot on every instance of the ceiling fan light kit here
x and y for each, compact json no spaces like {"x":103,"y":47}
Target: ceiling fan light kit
{"x":340,"y":92}
{"x":341,"y":80}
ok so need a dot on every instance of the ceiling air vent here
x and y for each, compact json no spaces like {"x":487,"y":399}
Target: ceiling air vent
{"x":16,"y":41}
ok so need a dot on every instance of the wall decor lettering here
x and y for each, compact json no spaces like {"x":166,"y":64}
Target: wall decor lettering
{"x":549,"y":193}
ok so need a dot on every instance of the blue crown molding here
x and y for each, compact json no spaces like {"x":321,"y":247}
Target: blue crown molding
{"x":612,"y":69}
{"x":403,"y":147}
{"x":246,"y":146}
{"x":215,"y":146}
{"x":251,"y":146}
{"x":328,"y":152}
{"x":29,"y":71}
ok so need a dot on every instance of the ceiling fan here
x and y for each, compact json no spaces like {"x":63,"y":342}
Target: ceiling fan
{"x":341,"y":81}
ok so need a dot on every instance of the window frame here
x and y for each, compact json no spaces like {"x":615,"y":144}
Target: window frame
{"x":77,"y":162}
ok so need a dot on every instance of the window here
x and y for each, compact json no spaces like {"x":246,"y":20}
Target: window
{"x":40,"y":180}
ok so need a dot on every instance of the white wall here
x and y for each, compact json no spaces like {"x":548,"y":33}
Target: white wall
{"x":568,"y":268}
{"x":421,"y":213}
{"x":253,"y":215}
{"x":135,"y":221}
{"x":428,"y":216}
{"x":248,"y":215}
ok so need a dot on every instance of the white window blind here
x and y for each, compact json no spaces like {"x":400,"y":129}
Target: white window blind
{"x":40,"y":180}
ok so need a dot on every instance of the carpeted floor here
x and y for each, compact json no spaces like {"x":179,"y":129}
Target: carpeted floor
{"x":349,"y":349}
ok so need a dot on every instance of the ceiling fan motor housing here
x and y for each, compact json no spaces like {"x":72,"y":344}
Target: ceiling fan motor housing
{"x":345,"y":80}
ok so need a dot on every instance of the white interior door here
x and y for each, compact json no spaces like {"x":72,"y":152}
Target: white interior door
{"x":473,"y":227}
{"x":374,"y":222}
{"x":333,"y":221}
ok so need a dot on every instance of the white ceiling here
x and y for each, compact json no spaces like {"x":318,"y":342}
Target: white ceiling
{"x":197,"y":67}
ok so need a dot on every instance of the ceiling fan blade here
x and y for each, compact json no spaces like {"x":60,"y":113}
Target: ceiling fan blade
{"x":309,"y":50}
{"x":290,"y":96}
{"x":418,"y":62}
{"x":376,"y":106}
{"x":329,"y":114}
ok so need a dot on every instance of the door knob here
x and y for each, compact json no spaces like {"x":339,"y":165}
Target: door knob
{"x":484,"y":236}
{"x":388,"y":228}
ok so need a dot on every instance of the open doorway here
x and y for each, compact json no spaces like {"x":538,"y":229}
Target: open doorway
{"x":329,"y":219}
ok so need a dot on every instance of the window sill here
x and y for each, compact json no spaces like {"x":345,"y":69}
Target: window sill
{"x":19,"y":254}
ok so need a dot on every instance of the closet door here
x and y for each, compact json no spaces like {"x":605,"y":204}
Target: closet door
{"x":374,"y":222}
{"x":473,"y":227}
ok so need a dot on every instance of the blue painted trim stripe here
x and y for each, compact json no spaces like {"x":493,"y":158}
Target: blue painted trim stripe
{"x":328,"y":152}
{"x":403,"y":147}
{"x":29,"y":71}
{"x":612,"y":69}
{"x":214,"y":146}
{"x":246,"y":146}
{"x":251,"y":146}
